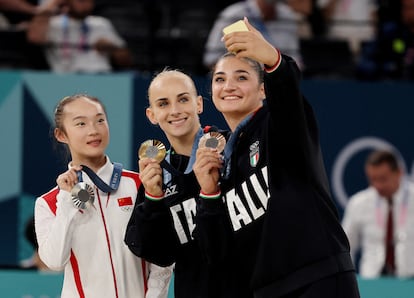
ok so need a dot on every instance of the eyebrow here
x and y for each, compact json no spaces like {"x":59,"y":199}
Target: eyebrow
{"x":82,"y":117}
{"x":165,"y":98}
{"x":238,"y":71}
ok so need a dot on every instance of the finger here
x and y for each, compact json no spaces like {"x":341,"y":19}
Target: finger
{"x":249,"y":26}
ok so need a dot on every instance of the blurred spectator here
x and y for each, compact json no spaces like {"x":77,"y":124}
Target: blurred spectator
{"x":278,"y":21}
{"x":21,"y":11}
{"x":379,"y":220}
{"x":77,"y":41}
{"x":351,"y":20}
{"x":34,"y":262}
{"x":391,"y":55}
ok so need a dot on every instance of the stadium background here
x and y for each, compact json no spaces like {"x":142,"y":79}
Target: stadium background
{"x":353,"y":117}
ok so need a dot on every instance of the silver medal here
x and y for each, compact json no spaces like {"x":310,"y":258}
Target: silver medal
{"x":82,"y":195}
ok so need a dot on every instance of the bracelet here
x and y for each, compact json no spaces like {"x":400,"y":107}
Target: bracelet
{"x":213,"y":196}
{"x":152,"y":197}
{"x":276,"y":65}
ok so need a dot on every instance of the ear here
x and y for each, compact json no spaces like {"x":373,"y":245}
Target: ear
{"x":60,"y":136}
{"x":150,"y":115}
{"x":200,"y":104}
{"x":262,"y":91}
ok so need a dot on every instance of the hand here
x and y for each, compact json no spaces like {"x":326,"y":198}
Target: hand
{"x":104,"y":46}
{"x":207,"y":169}
{"x":150,"y":173}
{"x":251,"y":44}
{"x":68,"y":179}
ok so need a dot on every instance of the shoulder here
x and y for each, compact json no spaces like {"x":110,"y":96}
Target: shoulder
{"x":409,"y":185}
{"x":132,"y":175}
{"x":98,"y":21}
{"x":362,"y":197}
{"x":56,"y":20}
{"x":50,"y":198}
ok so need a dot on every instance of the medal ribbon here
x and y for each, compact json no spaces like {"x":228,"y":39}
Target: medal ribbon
{"x":113,"y":184}
{"x":168,"y":169}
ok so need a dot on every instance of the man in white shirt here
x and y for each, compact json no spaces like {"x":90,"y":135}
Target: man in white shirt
{"x":77,"y":41}
{"x":366,"y":217}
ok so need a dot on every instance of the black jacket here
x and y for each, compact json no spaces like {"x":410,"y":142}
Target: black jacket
{"x":162,"y":232}
{"x":276,"y":228}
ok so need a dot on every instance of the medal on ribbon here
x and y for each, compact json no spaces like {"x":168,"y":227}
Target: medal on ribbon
{"x":213,"y":140}
{"x":152,"y":149}
{"x":82,"y":195}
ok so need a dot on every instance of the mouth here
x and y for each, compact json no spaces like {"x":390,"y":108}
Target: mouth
{"x":94,"y":143}
{"x":231,"y":97}
{"x":177,"y":121}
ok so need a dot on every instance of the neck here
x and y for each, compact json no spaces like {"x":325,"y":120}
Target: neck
{"x":183,"y":145}
{"x":234,"y":119}
{"x":94,"y":163}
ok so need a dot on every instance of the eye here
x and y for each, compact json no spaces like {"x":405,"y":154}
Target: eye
{"x":184,"y":99}
{"x":80,"y":123}
{"x":162,"y":104}
{"x":242,"y":78}
{"x":218,"y":79}
{"x":101,"y":120}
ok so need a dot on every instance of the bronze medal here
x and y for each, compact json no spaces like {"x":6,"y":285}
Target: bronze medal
{"x":213,"y":140}
{"x":152,"y":149}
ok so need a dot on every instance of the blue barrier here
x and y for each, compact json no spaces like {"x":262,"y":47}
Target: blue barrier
{"x":32,"y":284}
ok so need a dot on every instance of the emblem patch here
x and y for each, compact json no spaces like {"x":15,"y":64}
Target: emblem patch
{"x":254,"y":154}
{"x":125,"y":203}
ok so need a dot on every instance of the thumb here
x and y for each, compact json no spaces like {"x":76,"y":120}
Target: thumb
{"x":249,"y":26}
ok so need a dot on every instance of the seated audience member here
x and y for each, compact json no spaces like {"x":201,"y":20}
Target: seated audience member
{"x":379,"y":220}
{"x":18,"y":12}
{"x":351,"y":20}
{"x":278,"y":21}
{"x":391,"y":55}
{"x":77,"y":41}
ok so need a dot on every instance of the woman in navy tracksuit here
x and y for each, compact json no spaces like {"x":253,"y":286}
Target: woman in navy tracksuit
{"x":270,"y":220}
{"x":161,"y":228}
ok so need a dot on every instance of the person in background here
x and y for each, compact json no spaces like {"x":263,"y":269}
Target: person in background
{"x":277,"y":20}
{"x":25,"y":10}
{"x":76,"y":41}
{"x":34,"y":262}
{"x":391,"y":54}
{"x":379,"y":220}
{"x":161,"y":229}
{"x":80,"y":224}
{"x":352,"y":20}
{"x":26,"y":7}
{"x":266,"y":215}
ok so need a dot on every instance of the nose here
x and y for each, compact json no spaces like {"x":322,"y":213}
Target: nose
{"x":175,"y":109}
{"x":229,"y":85}
{"x":93,"y":129}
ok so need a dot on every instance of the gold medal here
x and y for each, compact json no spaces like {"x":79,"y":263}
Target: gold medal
{"x":213,"y":140}
{"x":82,"y":195}
{"x":152,"y":149}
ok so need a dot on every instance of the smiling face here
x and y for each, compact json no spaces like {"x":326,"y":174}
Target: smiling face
{"x":174,"y":106}
{"x":84,"y":128}
{"x":236,"y":89}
